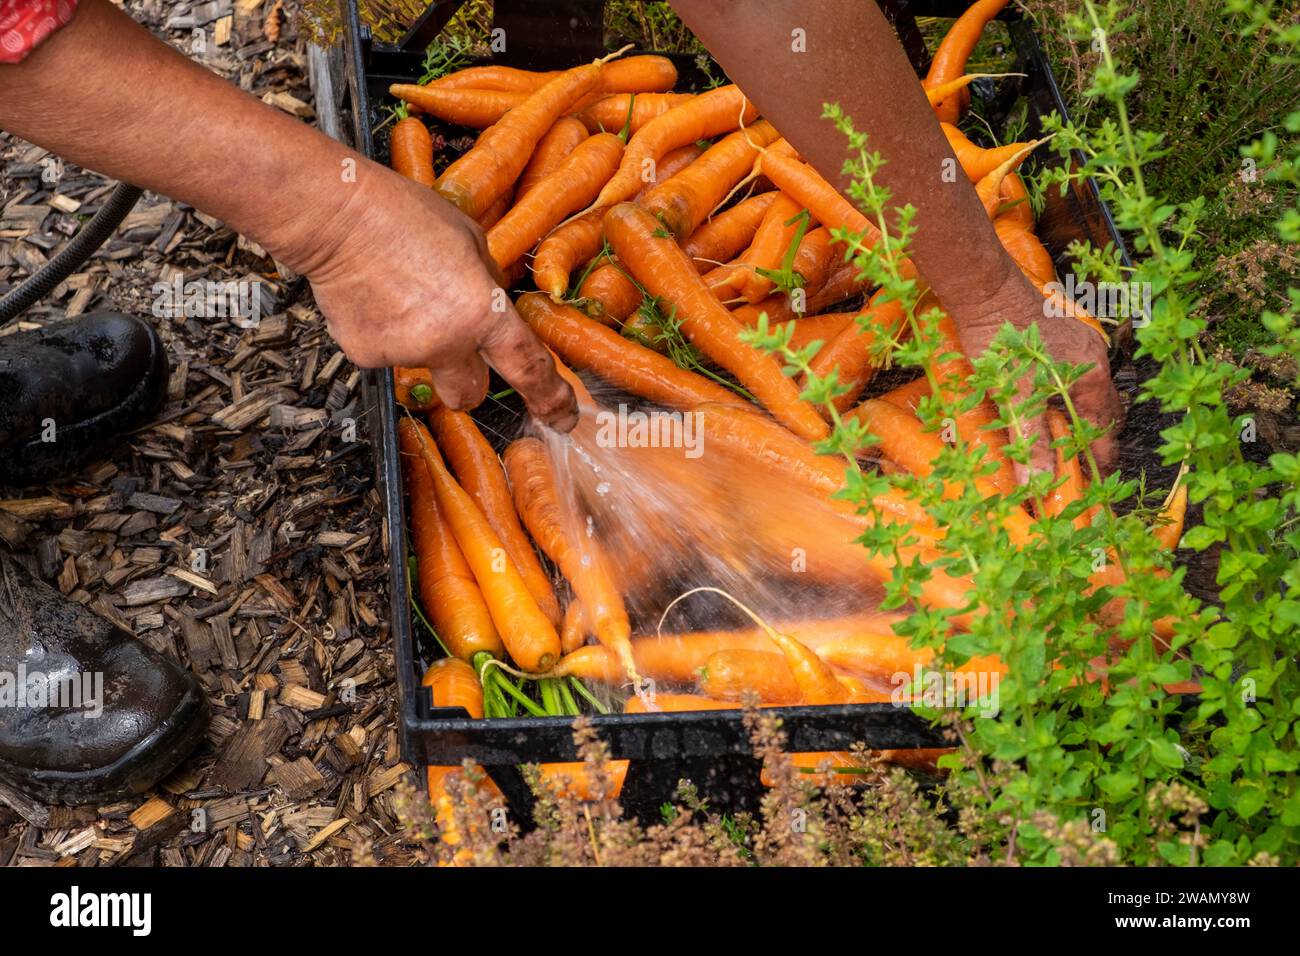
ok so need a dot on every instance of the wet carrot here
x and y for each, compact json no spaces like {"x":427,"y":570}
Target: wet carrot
{"x":579,"y":239}
{"x":710,"y":114}
{"x":1168,"y":530}
{"x":591,"y":346}
{"x":976,"y":161}
{"x":1068,"y":472}
{"x":955,"y":49}
{"x":611,"y":113}
{"x":746,"y":433}
{"x":413,"y":388}
{"x":410,"y":150}
{"x":728,"y":233}
{"x":819,"y":328}
{"x":568,"y":188}
{"x":775,"y":235}
{"x":682,"y":202}
{"x":663,"y":269}
{"x":1015,"y":206}
{"x":574,"y":632}
{"x":806,"y":187}
{"x":610,"y":295}
{"x":908,"y":397}
{"x":675,"y":703}
{"x":453,"y":683}
{"x":499,"y":207}
{"x":1026,"y":250}
{"x":556,"y":527}
{"x":477,"y":109}
{"x":528,"y":635}
{"x":904,"y":441}
{"x":731,"y":674}
{"x":475,"y":180}
{"x":989,"y":186}
{"x":478,"y":470}
{"x":632,"y":74}
{"x":560,"y":140}
{"x":850,"y":353}
{"x":449,"y":593}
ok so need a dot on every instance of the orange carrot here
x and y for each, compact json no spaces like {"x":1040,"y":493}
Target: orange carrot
{"x":904,"y":442}
{"x":955,"y":49}
{"x":560,"y":253}
{"x":479,"y":472}
{"x":475,"y":180}
{"x":675,"y":703}
{"x":500,"y":206}
{"x":528,"y":635}
{"x":574,"y":632}
{"x":568,"y":188}
{"x":819,"y":328}
{"x":448,"y":591}
{"x":573,"y":781}
{"x":937,"y":94}
{"x":806,"y":187}
{"x":611,"y":113}
{"x":814,"y":679}
{"x":908,"y":397}
{"x":1068,"y":472}
{"x":812,"y":260}
{"x":1168,"y":530}
{"x":1015,"y":205}
{"x":731,"y":674}
{"x":477,"y":109}
{"x":560,"y":140}
{"x":453,"y":683}
{"x":663,"y":270}
{"x":707,"y":115}
{"x":555,"y":527}
{"x":1026,"y":250}
{"x":850,"y":354}
{"x":684,"y":201}
{"x":774,"y":236}
{"x":410,"y":149}
{"x":413,"y":388}
{"x":633,"y":74}
{"x":610,"y":295}
{"x":579,"y":239}
{"x":725,"y":235}
{"x":989,"y":187}
{"x":843,"y":283}
{"x":750,"y":435}
{"x":974,"y":426}
{"x":976,"y":161}
{"x":589,"y":345}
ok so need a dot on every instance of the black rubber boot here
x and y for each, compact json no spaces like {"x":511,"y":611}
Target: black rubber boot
{"x":88,"y":714}
{"x":70,"y":389}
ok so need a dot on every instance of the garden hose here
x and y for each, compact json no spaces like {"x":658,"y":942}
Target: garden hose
{"x":89,"y":238}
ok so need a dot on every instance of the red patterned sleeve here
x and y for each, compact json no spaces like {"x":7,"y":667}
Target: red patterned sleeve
{"x":25,"y":23}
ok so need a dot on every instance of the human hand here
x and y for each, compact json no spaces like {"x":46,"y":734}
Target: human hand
{"x":403,"y":278}
{"x":1067,"y":340}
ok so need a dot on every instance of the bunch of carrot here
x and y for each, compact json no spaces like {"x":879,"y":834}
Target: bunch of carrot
{"x":658,"y":226}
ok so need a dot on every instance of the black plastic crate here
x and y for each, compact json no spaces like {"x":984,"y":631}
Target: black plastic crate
{"x":710,"y":748}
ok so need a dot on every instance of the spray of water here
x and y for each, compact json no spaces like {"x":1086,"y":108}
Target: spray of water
{"x":670,"y":510}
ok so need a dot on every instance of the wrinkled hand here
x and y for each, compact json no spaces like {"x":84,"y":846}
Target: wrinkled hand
{"x":1068,"y":340}
{"x":403,"y":278}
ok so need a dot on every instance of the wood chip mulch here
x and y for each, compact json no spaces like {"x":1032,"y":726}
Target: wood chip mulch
{"x":240,"y":533}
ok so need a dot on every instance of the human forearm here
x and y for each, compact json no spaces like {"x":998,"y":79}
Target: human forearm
{"x":850,"y":56}
{"x":161,"y":121}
